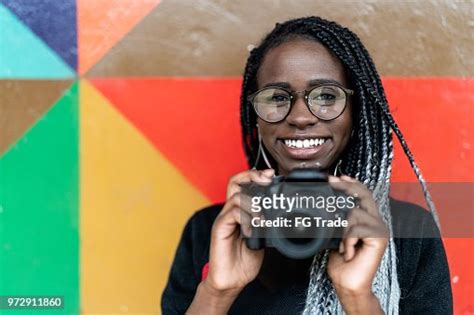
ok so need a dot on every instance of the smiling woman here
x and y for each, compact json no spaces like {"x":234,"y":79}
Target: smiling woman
{"x":311,"y":97}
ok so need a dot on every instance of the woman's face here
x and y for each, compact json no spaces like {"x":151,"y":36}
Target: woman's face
{"x":299,"y":65}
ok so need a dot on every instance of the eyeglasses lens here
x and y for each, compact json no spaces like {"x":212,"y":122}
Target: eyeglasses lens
{"x":325,"y":102}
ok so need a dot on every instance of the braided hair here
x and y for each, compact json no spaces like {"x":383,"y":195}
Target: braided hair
{"x":367,"y":157}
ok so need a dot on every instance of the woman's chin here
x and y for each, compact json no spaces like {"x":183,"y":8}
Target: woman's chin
{"x":287,"y":167}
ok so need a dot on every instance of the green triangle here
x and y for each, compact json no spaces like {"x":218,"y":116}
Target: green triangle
{"x":39,"y":225}
{"x":25,"y":55}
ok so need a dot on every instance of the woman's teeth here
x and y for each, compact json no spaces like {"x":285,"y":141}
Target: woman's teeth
{"x":306,"y":143}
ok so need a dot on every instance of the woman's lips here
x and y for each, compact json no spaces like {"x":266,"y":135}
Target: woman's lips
{"x":300,"y":150}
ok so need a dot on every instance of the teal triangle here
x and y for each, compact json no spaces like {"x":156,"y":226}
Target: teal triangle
{"x":24,"y":55}
{"x":39,"y":209}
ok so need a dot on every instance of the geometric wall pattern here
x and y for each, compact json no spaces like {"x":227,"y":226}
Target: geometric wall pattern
{"x":119,"y":119}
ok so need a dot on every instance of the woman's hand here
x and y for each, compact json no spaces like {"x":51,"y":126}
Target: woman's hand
{"x":231,"y":264}
{"x":353,"y":267}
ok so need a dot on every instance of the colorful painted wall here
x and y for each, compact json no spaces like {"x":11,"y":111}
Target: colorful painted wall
{"x":119,"y":119}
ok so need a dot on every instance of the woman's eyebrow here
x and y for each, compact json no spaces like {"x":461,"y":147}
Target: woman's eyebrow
{"x":313,"y":82}
{"x":285,"y":85}
{"x":322,"y":81}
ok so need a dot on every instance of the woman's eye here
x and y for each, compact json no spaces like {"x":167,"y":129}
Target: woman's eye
{"x":279,"y":98}
{"x":325,"y":97}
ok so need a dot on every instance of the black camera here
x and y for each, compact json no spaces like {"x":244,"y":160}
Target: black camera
{"x":302,"y":214}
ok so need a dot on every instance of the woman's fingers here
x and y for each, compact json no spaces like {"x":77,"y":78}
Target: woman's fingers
{"x":228,"y":223}
{"x":356,"y":189}
{"x":341,"y":247}
{"x":256,"y":176}
{"x":365,"y":226}
{"x":236,"y":211}
{"x":349,"y":247}
{"x":360,"y":217}
{"x":239,"y":200}
{"x":358,"y":237}
{"x":362,"y":229}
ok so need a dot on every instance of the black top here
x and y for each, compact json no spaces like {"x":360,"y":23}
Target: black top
{"x":280,"y":287}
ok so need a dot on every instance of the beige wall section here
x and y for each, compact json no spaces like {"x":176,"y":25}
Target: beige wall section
{"x":194,"y":38}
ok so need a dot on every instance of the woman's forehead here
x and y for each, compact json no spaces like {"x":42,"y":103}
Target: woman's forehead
{"x":299,"y":62}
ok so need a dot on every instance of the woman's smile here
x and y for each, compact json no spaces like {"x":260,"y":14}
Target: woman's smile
{"x":304,"y":147}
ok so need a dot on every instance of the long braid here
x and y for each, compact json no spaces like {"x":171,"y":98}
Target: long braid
{"x":368,"y":156}
{"x":414,"y":165}
{"x":370,"y":66}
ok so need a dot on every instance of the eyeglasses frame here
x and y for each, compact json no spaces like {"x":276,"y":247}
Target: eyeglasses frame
{"x":348,"y":92}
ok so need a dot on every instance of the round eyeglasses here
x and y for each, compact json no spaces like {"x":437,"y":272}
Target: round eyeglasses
{"x":327,"y":101}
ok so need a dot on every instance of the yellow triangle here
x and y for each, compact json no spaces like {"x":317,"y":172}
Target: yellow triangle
{"x":134,"y":205}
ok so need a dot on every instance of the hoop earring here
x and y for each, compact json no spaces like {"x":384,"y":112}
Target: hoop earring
{"x":261,"y":152}
{"x":336,"y":169}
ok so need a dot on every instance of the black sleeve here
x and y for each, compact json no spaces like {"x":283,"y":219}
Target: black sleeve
{"x":191,"y":256}
{"x":424,"y":273}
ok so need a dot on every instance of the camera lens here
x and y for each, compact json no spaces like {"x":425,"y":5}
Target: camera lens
{"x":300,"y":241}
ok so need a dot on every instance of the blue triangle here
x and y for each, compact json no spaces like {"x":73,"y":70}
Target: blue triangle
{"x":24,"y":55}
{"x":53,"y":21}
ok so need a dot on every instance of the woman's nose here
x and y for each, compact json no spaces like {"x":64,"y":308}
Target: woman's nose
{"x":300,"y":116}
